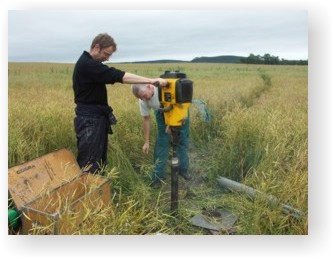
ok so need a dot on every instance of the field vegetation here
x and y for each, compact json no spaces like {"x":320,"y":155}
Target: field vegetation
{"x":257,"y":135}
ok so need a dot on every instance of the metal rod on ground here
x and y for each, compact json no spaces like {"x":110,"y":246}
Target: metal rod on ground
{"x":252,"y":193}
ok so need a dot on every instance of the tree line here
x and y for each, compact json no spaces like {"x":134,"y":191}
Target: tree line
{"x":271,"y":60}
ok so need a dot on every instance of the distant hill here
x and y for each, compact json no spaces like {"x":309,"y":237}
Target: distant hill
{"x":160,"y":61}
{"x":252,"y":59}
{"x":217,"y":59}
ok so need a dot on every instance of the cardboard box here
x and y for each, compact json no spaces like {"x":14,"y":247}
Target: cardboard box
{"x":53,"y":195}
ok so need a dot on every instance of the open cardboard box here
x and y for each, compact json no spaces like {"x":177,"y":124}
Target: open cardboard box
{"x":53,"y":195}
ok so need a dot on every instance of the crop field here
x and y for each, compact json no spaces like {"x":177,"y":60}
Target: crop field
{"x":251,"y":127}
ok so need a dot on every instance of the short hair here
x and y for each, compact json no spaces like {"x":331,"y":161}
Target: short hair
{"x":138,"y":88}
{"x":104,"y":40}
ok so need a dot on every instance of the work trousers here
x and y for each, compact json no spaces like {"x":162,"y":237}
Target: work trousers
{"x":91,"y":130}
{"x":162,"y":148}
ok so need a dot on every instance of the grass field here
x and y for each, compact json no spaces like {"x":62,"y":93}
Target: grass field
{"x":257,"y":135}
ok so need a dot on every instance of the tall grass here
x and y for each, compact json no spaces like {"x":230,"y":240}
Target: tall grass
{"x":257,"y":135}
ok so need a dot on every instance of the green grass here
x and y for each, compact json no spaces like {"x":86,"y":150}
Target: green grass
{"x":258,"y":135}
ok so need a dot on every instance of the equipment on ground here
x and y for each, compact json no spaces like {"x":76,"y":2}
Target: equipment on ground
{"x":51,"y":195}
{"x":14,"y":220}
{"x":202,"y":109}
{"x":253,"y":193}
{"x":217,"y":221}
{"x":175,"y":99}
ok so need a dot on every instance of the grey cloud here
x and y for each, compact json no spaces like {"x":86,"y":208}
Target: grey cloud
{"x":61,"y":36}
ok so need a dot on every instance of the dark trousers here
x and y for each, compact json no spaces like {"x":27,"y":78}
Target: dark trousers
{"x":92,"y":140}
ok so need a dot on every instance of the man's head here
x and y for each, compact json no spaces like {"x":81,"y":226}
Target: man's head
{"x":143,"y":91}
{"x":102,"y":47}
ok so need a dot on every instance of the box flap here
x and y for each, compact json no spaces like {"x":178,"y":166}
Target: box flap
{"x":29,"y":180}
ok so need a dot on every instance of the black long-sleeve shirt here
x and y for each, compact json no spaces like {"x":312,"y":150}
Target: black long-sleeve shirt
{"x":90,"y":78}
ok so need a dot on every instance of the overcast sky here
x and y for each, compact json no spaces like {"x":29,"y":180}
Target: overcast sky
{"x":61,"y":36}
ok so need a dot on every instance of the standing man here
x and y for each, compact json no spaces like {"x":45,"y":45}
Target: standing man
{"x":94,"y":116}
{"x":149,"y":99}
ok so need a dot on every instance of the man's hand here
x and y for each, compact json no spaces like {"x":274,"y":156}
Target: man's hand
{"x":146,"y":148}
{"x":160,"y":82}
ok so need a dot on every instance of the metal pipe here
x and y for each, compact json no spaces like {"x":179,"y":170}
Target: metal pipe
{"x":252,"y":193}
{"x":175,"y":140}
{"x":174,"y":183}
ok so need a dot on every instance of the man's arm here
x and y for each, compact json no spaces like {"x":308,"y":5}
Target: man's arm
{"x":129,"y":78}
{"x":147,"y":122}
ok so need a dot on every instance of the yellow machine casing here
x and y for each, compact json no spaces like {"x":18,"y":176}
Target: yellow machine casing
{"x":176,"y":98}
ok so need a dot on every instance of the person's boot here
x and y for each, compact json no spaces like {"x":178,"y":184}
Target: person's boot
{"x":156,"y":184}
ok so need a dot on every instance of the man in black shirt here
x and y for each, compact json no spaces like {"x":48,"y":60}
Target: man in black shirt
{"x":94,"y":116}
